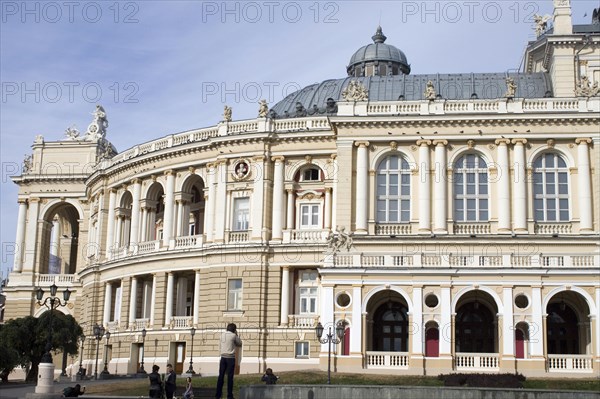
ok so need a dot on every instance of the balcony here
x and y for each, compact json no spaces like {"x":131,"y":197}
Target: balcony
{"x":472,"y":228}
{"x":570,"y":363}
{"x":234,"y":237}
{"x":189,"y":242}
{"x":476,"y":362}
{"x":139,"y":324}
{"x":393,"y":229}
{"x":303,"y":320}
{"x":552,"y":228}
{"x":46,"y":280}
{"x":387,"y":360}
{"x":180,"y":322}
{"x":305,"y":236}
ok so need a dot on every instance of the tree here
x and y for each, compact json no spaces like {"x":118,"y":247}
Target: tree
{"x":28,"y":337}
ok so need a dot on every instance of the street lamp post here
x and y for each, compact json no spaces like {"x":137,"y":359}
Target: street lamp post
{"x":329,"y":339}
{"x":105,"y":372}
{"x":81,"y":372}
{"x":141,"y":369}
{"x":98,"y":333}
{"x":46,"y":368}
{"x":191,"y":369}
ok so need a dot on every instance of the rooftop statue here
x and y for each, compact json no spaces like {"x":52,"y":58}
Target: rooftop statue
{"x":585,"y":88}
{"x":355,"y":91}
{"x":511,"y":88}
{"x":72,"y":133}
{"x":263,"y":109}
{"x":227,"y":114}
{"x":430,"y":93}
{"x":97,"y":129}
{"x":541,"y":24}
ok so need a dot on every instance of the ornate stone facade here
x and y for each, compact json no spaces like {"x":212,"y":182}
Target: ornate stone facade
{"x":446,"y":235}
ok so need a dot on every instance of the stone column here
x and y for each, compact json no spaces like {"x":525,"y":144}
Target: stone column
{"x":334,"y":196}
{"x":327,"y":212}
{"x":196,"y":307}
{"x":132,"y":302}
{"x":180,"y":204}
{"x":107,"y":303}
{"x":536,"y":337}
{"x":503,"y":182}
{"x":362,"y":186}
{"x":285,"y":296}
{"x":356,"y":332}
{"x":169,"y":207}
{"x":20,"y":238}
{"x":221,"y":199}
{"x":508,"y":331}
{"x":417,"y":324}
{"x":424,"y":187}
{"x":327,"y":316}
{"x":119,"y":232}
{"x":441,"y":188}
{"x":289,"y":225}
{"x":278,"y":178}
{"x":209,"y":215}
{"x":153,"y":301}
{"x":135,"y":212}
{"x":258,"y":197}
{"x":446,"y":322}
{"x":596,"y":327}
{"x":144,"y":230}
{"x":31,"y":235}
{"x":586,"y":224}
{"x":110,"y":225}
{"x":169,"y":301}
{"x":520,"y":187}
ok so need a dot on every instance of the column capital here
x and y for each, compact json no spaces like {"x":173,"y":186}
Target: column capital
{"x":583,"y":140}
{"x":278,"y":158}
{"x":112,"y":190}
{"x":169,"y":172}
{"x":259,"y":158}
{"x":362,"y":144}
{"x":519,"y":141}
{"x":440,"y":143}
{"x":136,"y":181}
{"x":34,"y":199}
{"x":124,"y":186}
{"x":502,"y":141}
{"x":22,"y":201}
{"x":210,"y":165}
{"x":289,"y":190}
{"x":328,"y":189}
{"x":285,"y":268}
{"x":372,"y":172}
{"x":423,"y":143}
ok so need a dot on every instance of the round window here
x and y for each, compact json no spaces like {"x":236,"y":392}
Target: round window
{"x":521,"y":301}
{"x":343,"y":300}
{"x":431,"y":300}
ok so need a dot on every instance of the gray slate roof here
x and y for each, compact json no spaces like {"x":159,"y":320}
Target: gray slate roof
{"x":412,"y":87}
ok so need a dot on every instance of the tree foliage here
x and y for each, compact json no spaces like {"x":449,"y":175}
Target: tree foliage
{"x":24,"y":340}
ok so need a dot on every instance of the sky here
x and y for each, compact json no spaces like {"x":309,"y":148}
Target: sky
{"x":163,"y":67}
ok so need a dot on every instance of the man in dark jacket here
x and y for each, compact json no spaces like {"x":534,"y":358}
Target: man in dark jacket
{"x":170,"y":384}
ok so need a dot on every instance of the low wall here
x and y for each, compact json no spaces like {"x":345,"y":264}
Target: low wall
{"x":395,"y":392}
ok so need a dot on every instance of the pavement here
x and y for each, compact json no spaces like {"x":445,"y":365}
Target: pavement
{"x":17,"y":390}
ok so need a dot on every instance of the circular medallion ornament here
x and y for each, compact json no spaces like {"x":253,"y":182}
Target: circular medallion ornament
{"x":241,"y":170}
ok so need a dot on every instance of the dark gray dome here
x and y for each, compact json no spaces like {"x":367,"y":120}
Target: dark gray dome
{"x":382,"y":59}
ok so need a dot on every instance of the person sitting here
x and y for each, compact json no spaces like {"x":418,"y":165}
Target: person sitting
{"x":73,"y":392}
{"x":269,"y":378}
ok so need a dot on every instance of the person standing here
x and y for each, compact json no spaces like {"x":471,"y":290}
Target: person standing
{"x":170,"y":382}
{"x":228,"y":346}
{"x":189,"y":389}
{"x":155,"y":383}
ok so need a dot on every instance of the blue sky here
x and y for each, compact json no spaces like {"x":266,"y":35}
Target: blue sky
{"x":161,"y":67}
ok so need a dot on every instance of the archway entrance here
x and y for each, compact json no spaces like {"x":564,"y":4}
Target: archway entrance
{"x":476,"y":324}
{"x":432,"y":341}
{"x":60,"y":240}
{"x":390,"y":328}
{"x":567,"y":325}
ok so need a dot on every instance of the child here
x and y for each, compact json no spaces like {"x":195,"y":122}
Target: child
{"x":269,"y":378}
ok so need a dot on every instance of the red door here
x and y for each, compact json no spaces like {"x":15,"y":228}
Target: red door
{"x":432,"y":343}
{"x":519,"y":344}
{"x":346,"y":347}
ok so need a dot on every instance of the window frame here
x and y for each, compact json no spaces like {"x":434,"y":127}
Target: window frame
{"x":403,"y":215}
{"x":461,"y":179}
{"x":545,"y":197}
{"x":305,"y":344}
{"x":235,"y":222}
{"x":239,"y":294}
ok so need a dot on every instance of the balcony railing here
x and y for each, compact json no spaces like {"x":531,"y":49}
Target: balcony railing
{"x":58,"y":279}
{"x":147,"y":247}
{"x":570,"y":363}
{"x":472,"y":228}
{"x":139,"y":324}
{"x":393,"y":229}
{"x":428,"y":260}
{"x":476,"y":361}
{"x":393,"y":360}
{"x":305,"y":235}
{"x":303,"y":320}
{"x":238,"y":236}
{"x":113,"y":326}
{"x":189,"y":242}
{"x":179,"y":322}
{"x":553,"y":228}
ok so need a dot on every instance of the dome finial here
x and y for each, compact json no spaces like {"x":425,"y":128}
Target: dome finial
{"x":378,"y":37}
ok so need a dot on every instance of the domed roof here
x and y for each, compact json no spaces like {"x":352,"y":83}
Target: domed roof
{"x":380,"y":52}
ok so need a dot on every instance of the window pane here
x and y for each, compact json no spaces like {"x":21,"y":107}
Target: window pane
{"x":470,"y":204}
{"x":381,"y":185}
{"x":561,"y":162}
{"x":483,"y":215}
{"x":393,"y":163}
{"x":471,"y":215}
{"x":483,"y":204}
{"x":563,"y":204}
{"x":564,"y":216}
{"x":549,"y":160}
{"x":459,"y":215}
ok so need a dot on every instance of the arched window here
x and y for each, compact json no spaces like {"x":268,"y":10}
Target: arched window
{"x":393,"y":190}
{"x":471,"y":189}
{"x":550,"y":188}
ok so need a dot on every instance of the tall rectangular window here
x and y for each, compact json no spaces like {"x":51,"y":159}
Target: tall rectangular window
{"x":308,"y":300}
{"x":234,"y":294}
{"x":241,"y":214}
{"x":309,"y":216}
